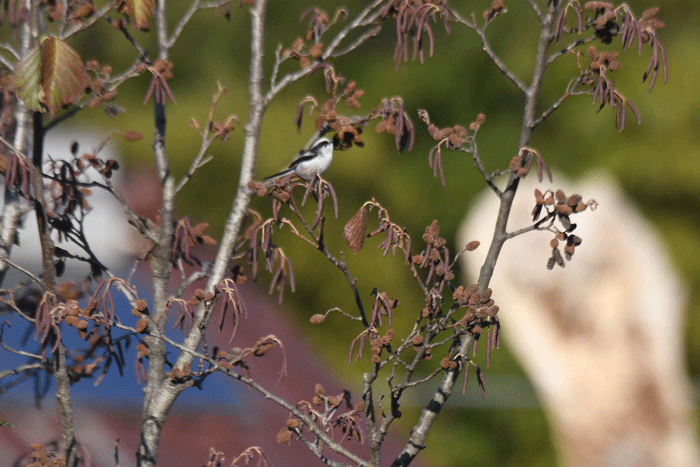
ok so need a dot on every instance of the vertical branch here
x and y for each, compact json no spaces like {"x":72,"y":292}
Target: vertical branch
{"x":420,"y":431}
{"x":500,"y":236}
{"x":65,"y":406}
{"x":60,"y":371}
{"x":12,"y":211}
{"x":162,"y":395}
{"x":154,"y":415}
{"x":238,"y":212}
{"x":40,"y":202}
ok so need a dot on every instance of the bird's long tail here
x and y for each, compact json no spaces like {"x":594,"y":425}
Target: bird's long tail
{"x":269,"y":181}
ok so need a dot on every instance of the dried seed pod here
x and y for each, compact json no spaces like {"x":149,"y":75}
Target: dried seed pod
{"x":317,"y":319}
{"x":473,"y":245}
{"x":564,"y":209}
{"x":539,"y":197}
{"x":573,"y":200}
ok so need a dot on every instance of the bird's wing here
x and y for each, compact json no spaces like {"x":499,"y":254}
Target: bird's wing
{"x":306,"y":157}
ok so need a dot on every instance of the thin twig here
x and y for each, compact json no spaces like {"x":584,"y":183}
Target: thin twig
{"x":490,"y":52}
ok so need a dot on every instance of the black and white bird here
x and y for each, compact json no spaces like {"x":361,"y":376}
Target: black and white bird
{"x":315,"y":160}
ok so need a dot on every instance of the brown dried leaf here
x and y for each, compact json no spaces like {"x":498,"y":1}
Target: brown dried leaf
{"x":63,"y":76}
{"x":355,"y":230}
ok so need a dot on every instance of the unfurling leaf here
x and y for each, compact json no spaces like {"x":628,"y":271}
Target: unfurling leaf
{"x":28,"y":78}
{"x":53,"y":75}
{"x":354,"y":231}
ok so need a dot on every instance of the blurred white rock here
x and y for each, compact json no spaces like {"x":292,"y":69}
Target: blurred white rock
{"x":110,"y":236}
{"x":601,"y":338}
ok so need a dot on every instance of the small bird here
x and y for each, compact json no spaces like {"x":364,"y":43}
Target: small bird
{"x":314,"y":161}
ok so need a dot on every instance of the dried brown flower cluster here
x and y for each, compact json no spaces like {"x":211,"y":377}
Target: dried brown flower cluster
{"x":558,"y":206}
{"x":481,"y":306}
{"x":378,"y":343}
{"x":319,"y":22}
{"x":18,"y":173}
{"x":162,"y":71}
{"x":520,"y":165}
{"x":217,"y":459}
{"x":347,"y":130}
{"x":305,"y":55}
{"x":395,"y":120}
{"x":609,"y":21}
{"x":259,"y":237}
{"x":347,"y":133}
{"x":236,"y":357}
{"x":41,"y":457}
{"x":188,"y":236}
{"x":323,"y":410}
{"x":355,"y":231}
{"x":435,"y":257}
{"x":101,"y":95}
{"x":603,"y":89}
{"x":221,"y":129}
{"x":412,"y":21}
{"x":452,"y":138}
{"x":382,"y":307}
{"x":497,"y":8}
{"x":179,"y":375}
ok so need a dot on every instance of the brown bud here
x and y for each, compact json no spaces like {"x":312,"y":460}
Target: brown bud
{"x":283,"y":436}
{"x":539,"y":197}
{"x":473,"y":245}
{"x":141,"y":325}
{"x":317,"y":319}
{"x":316,"y":50}
{"x":564,"y":209}
{"x":573,"y":200}
{"x":292,"y":423}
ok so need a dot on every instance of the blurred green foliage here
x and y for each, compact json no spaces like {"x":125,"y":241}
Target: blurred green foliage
{"x":657,"y":163}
